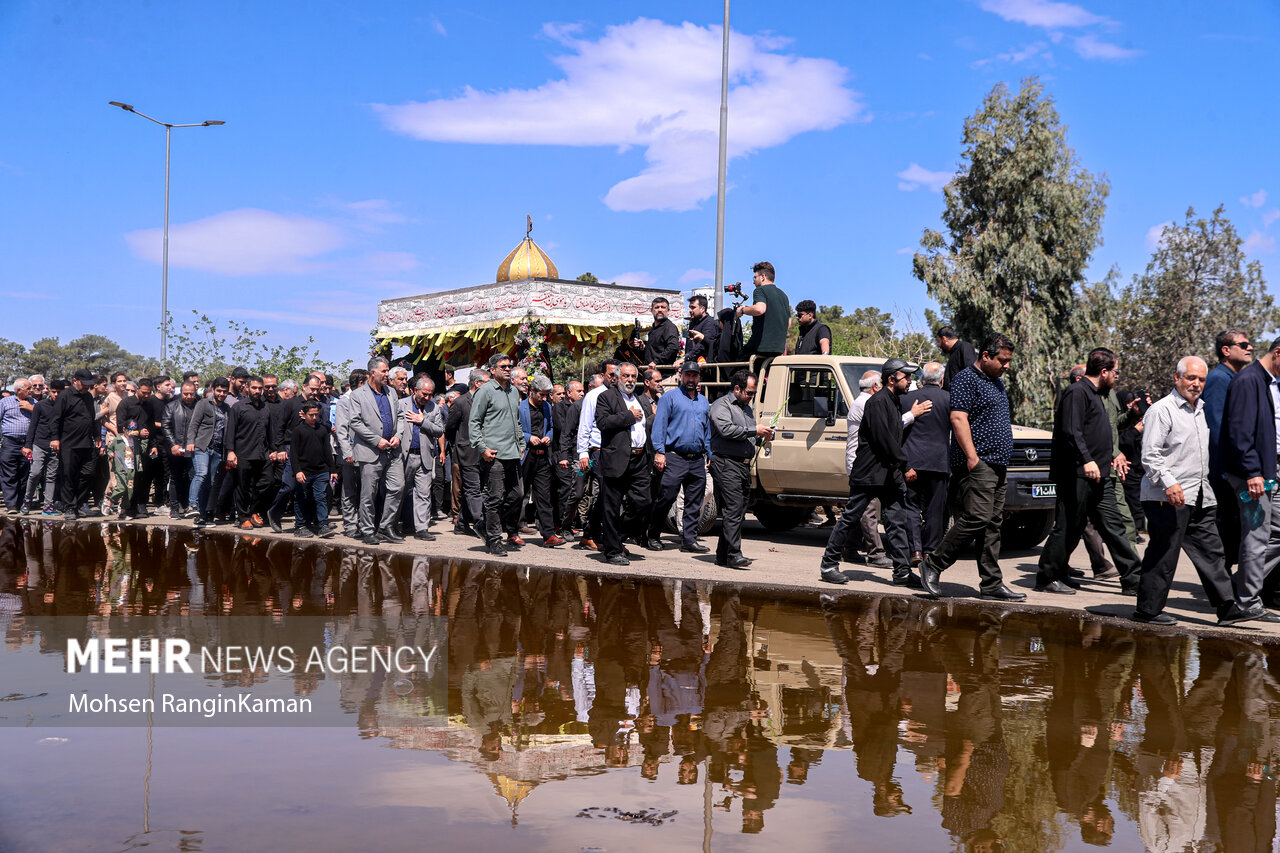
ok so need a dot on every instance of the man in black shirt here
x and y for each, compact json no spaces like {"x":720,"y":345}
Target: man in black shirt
{"x":315,"y":471}
{"x":43,"y":480}
{"x":704,"y":331}
{"x":75,"y":440}
{"x":1081,"y":461}
{"x":246,"y":444}
{"x":662,"y":343}
{"x":565,"y":462}
{"x":815,"y":337}
{"x":879,"y":470}
{"x":960,"y":354}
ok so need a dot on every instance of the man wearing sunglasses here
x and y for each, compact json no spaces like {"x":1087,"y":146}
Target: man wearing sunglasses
{"x":1235,"y":352}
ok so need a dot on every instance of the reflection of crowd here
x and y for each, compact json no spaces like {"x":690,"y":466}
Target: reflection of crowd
{"x":1011,"y":722}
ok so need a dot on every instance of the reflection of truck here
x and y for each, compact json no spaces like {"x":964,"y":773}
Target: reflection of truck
{"x":803,"y":466}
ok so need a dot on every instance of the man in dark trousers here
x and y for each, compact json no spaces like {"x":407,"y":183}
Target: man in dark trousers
{"x":315,"y":470}
{"x":563,"y":459}
{"x":927,"y":443}
{"x":134,"y":420}
{"x":1081,"y":462}
{"x":466,"y":459}
{"x":246,"y":445}
{"x":76,"y":441}
{"x":983,"y":441}
{"x":879,"y":470}
{"x":960,"y":354}
{"x":704,"y":331}
{"x":1179,"y":504}
{"x":624,"y":467}
{"x":537,"y":423}
{"x":1235,"y":352}
{"x":1249,"y":449}
{"x":681,"y":441}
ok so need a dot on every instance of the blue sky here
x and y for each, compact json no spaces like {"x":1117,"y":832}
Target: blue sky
{"x":379,"y":150}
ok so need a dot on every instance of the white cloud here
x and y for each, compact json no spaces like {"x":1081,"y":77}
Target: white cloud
{"x":1257,"y":199}
{"x":1015,"y":57}
{"x":907,"y":250}
{"x":696,"y":275}
{"x":633,"y":279}
{"x":377,"y":210}
{"x":437,"y":26}
{"x":1258,"y":243}
{"x":246,"y":241}
{"x":1154,"y":235}
{"x":1042,"y":13}
{"x":1090,"y":47}
{"x":915,"y":176}
{"x":1269,"y":217}
{"x":26,"y":294}
{"x":654,"y":85}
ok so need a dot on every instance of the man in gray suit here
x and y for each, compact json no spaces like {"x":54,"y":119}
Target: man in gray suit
{"x":350,"y":477}
{"x":375,"y":443}
{"x":422,"y":424}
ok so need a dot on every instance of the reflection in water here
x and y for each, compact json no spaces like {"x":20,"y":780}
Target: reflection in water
{"x":1014,"y":731}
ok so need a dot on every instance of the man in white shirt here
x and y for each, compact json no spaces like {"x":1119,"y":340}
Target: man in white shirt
{"x":623,"y":465}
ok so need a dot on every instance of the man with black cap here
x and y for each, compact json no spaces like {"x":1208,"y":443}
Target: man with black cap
{"x":75,"y":440}
{"x":879,"y":471}
{"x":681,"y":442}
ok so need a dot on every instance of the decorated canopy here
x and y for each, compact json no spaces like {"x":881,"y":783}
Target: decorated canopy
{"x":468,"y":324}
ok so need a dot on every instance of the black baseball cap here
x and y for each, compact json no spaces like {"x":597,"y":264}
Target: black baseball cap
{"x":84,"y":375}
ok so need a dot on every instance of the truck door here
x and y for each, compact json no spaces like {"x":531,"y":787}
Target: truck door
{"x":806,"y":456}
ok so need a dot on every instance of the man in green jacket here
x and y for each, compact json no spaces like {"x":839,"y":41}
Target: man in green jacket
{"x":497,"y":435}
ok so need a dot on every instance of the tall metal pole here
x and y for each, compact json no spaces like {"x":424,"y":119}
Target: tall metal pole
{"x":724,"y":139}
{"x":164,"y":262}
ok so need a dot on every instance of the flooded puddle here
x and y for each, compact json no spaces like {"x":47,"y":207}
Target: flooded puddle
{"x":540,"y":710}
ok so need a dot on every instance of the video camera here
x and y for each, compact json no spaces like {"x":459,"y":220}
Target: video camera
{"x":736,"y":290}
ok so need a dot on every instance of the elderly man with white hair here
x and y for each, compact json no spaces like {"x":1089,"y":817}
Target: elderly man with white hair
{"x":422,"y":425}
{"x":1180,"y":503}
{"x":15,"y":418}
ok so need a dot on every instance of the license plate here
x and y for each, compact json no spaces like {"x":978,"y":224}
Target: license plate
{"x":1044,"y":490}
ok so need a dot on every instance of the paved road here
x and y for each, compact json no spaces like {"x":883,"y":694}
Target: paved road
{"x":788,"y":562}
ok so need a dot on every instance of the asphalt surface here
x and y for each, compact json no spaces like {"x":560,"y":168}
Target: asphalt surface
{"x":787,"y":563}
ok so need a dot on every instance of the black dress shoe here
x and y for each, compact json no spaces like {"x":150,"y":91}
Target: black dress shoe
{"x":617,"y":560}
{"x":497,"y":549}
{"x":880,"y":562}
{"x":906,"y":578}
{"x":1107,"y":574}
{"x":1130,"y":591}
{"x":371,"y":539}
{"x":695,"y":548}
{"x":275,"y":524}
{"x":463,"y":530}
{"x":1076,"y":573}
{"x":1158,"y":619}
{"x":425,"y":536}
{"x":390,"y":535}
{"x":654,"y":544}
{"x":734,"y":563}
{"x":929,"y":580}
{"x":1003,"y":594}
{"x":832,"y":574}
{"x":1235,"y":616}
{"x":1262,"y":614}
{"x":1055,"y":587}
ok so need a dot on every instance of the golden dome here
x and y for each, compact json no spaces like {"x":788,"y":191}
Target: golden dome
{"x":527,"y":260}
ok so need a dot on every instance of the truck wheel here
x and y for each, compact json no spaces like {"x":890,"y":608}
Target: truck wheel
{"x":706,"y":518}
{"x":1023,"y":531}
{"x":779,"y":518}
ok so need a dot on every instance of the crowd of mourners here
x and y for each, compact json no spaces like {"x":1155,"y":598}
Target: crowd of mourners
{"x":603,"y":463}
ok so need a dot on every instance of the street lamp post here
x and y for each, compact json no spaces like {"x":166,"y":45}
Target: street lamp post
{"x":164,"y":262}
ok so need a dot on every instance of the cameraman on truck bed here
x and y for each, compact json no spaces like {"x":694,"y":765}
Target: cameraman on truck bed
{"x":772,"y":312}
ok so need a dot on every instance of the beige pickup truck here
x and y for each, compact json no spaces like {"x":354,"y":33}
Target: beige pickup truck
{"x":806,"y":399}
